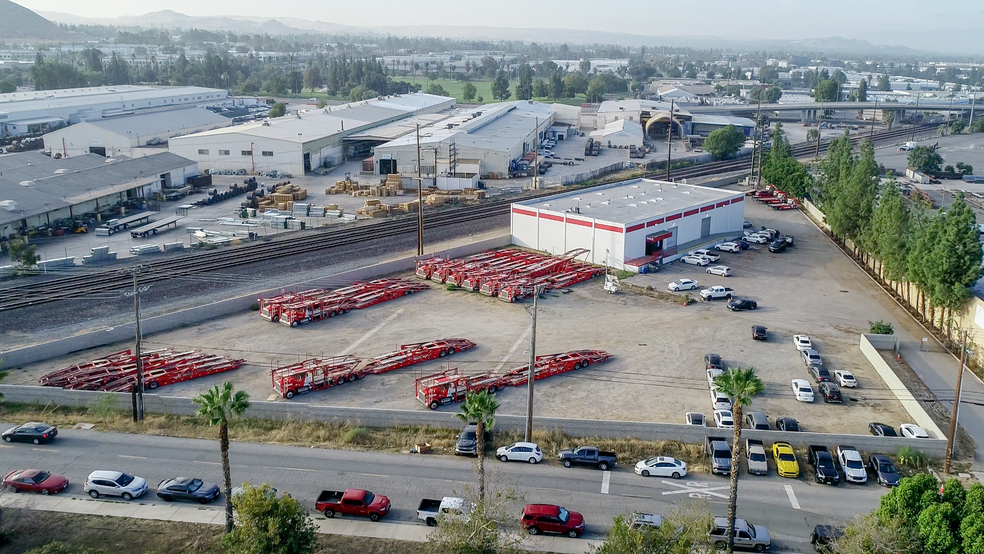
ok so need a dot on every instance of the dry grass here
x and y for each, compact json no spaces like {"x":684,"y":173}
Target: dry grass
{"x":346,"y":436}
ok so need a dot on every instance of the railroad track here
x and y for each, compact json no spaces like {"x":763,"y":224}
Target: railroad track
{"x":101,"y":281}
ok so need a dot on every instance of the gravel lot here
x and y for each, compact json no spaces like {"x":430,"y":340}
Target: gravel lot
{"x":657,"y":373}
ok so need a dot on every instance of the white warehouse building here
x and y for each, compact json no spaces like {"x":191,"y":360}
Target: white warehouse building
{"x":302,"y":141}
{"x":636,"y":222}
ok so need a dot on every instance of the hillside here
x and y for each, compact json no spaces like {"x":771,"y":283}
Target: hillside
{"x":18,"y":22}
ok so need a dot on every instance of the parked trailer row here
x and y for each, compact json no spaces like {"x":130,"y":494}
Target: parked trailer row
{"x":294,"y":308}
{"x":118,"y":372}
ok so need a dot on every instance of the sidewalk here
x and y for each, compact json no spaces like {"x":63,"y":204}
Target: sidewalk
{"x":215,"y":515}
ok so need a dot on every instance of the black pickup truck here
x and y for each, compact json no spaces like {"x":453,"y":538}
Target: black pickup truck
{"x":824,"y":468}
{"x":588,"y":456}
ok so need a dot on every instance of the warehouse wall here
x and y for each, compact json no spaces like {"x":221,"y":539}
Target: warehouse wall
{"x":78,"y":139}
{"x":287,"y":156}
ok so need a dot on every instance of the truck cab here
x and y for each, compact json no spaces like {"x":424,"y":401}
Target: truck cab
{"x":356,"y":502}
{"x":430,"y":510}
{"x":588,"y":455}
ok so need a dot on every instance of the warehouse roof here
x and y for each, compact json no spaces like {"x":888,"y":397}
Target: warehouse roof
{"x":637,"y":105}
{"x":630,"y":201}
{"x":722,"y":120}
{"x":16,"y":102}
{"x":161,"y":123}
{"x":618,"y":126}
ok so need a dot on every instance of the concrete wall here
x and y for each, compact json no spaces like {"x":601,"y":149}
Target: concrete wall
{"x":30,"y":354}
{"x":870,"y":345}
{"x":157,"y":403}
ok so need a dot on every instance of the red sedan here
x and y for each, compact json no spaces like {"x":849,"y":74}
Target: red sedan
{"x":35,"y":480}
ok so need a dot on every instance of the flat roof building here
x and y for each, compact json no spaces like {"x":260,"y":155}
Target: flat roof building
{"x":635,"y":222}
{"x":621,"y":133}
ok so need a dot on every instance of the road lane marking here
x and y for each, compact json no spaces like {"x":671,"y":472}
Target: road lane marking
{"x":372,"y":332}
{"x":512,"y":350}
{"x":374,"y":475}
{"x":45,"y":449}
{"x":636,"y":496}
{"x":290,"y":468}
{"x":606,"y":480}
{"x":209,"y":463}
{"x":131,"y":457}
{"x":695,"y":489}
{"x":792,"y":497}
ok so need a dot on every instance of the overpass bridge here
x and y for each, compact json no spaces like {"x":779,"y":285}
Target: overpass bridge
{"x":809,"y":110}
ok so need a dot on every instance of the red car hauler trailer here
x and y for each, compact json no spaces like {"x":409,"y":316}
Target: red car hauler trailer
{"x":293,"y":309}
{"x":118,"y":372}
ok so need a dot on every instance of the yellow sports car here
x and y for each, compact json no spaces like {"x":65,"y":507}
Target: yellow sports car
{"x":785,"y":458}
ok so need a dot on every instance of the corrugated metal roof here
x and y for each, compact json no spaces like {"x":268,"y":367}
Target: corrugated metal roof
{"x":161,"y":123}
{"x":16,"y":102}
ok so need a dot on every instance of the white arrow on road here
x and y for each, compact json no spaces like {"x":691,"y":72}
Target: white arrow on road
{"x":695,"y":489}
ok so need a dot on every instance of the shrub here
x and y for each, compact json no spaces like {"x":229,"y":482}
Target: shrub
{"x":356,"y":435}
{"x":911,"y":458}
{"x":880,"y":328}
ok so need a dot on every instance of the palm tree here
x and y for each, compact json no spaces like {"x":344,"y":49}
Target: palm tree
{"x":479,"y":408}
{"x":740,"y":384}
{"x":217,"y":405}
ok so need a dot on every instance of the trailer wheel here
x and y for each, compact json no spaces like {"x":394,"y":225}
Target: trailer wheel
{"x":352,"y":377}
{"x":492,"y":389}
{"x":443,"y":354}
{"x":289,"y":395}
{"x":331,"y":313}
{"x":293,"y":324}
{"x":340,"y":380}
{"x":451,"y":351}
{"x":329,"y":513}
{"x":152,"y":385}
{"x":433,"y":405}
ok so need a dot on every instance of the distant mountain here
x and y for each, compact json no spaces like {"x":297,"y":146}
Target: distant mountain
{"x":169,"y":19}
{"x":18,"y":22}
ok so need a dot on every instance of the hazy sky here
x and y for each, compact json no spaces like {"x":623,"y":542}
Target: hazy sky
{"x":783,"y":19}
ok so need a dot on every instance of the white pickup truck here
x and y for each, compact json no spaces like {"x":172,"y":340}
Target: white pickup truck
{"x":756,"y":461}
{"x":430,"y":510}
{"x":717,"y":292}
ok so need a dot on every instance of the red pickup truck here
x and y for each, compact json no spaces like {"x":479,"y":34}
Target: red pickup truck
{"x":356,"y":502}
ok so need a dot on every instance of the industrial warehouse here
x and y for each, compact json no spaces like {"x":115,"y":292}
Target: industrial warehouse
{"x":634,"y":222}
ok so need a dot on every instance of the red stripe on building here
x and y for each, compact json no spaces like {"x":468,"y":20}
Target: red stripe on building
{"x":611,"y":228}
{"x":739,"y":199}
{"x":635,"y":227}
{"x":523,"y":212}
{"x":689,"y":213}
{"x":722,"y":204}
{"x":551,"y":217}
{"x":654,"y":222}
{"x":579,"y":222}
{"x":707,"y":208}
{"x":673,"y":217}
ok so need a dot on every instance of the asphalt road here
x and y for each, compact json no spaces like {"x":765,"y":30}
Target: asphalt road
{"x":788,"y":508}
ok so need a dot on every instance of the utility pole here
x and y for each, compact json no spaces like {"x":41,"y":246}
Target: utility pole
{"x":138,"y":389}
{"x":420,"y":199}
{"x":973,"y":102}
{"x":819,"y":118}
{"x":761,"y":149}
{"x":532,"y":373}
{"x":755,"y":141}
{"x":872,"y":132}
{"x":669,"y":142}
{"x":536,"y":152}
{"x":956,"y":406}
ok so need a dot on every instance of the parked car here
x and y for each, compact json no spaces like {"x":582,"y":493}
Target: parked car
{"x":695,"y":418}
{"x":34,"y":431}
{"x":746,"y":224}
{"x":811,"y":357}
{"x":824,"y":536}
{"x":713,"y":361}
{"x":548,"y":518}
{"x":722,"y":270}
{"x":831,"y":393}
{"x":746,"y":536}
{"x":881,"y":430}
{"x":187,"y":488}
{"x":912,"y":431}
{"x":756,"y":238}
{"x":724,"y":419}
{"x":719,"y":453}
{"x":683,"y":284}
{"x":778,"y":245}
{"x":717,"y":292}
{"x":824,"y":470}
{"x":739,"y":304}
{"x":852,"y":463}
{"x":819,"y":373}
{"x":695,"y":260}
{"x":787,"y":424}
{"x":520,"y":451}
{"x":760,"y":332}
{"x":785,"y":458}
{"x":35,"y":480}
{"x":712,"y":374}
{"x":845,"y":378}
{"x":728,"y":246}
{"x":588,"y":456}
{"x":354,"y":502}
{"x":662,"y":466}
{"x":467,"y":441}
{"x":719,"y":400}
{"x":755,"y":461}
{"x":756,"y":420}
{"x":646,"y":521}
{"x":884,"y":470}
{"x":114,"y":483}
{"x":802,"y":342}
{"x":802,"y":390}
{"x":430,"y":510}
{"x":707,"y":254}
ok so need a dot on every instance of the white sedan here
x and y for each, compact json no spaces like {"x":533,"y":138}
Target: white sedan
{"x":913,"y":431}
{"x":757,"y":239}
{"x":662,"y":466}
{"x":802,"y":390}
{"x":711,"y":374}
{"x":707,"y":254}
{"x":802,"y":342}
{"x":845,"y":378}
{"x":520,"y":452}
{"x":722,"y":270}
{"x":695,"y":260}
{"x":721,"y":401}
{"x":728,"y":247}
{"x":724,"y":419}
{"x":683,"y":284}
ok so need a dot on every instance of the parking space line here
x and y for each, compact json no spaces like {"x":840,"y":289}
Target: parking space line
{"x":792,"y":497}
{"x":606,"y":481}
{"x":512,"y":350}
{"x":372,"y":332}
{"x":46,"y":449}
{"x":131,"y":457}
{"x":209,"y":463}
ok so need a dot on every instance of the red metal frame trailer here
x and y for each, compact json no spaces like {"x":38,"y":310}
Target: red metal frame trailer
{"x":118,"y":372}
{"x":292,"y":309}
{"x":410,"y":354}
{"x":314,"y":374}
{"x":553,"y":364}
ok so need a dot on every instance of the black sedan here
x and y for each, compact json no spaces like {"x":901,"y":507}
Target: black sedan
{"x":739,"y":304}
{"x":778,"y":245}
{"x":883,"y":469}
{"x":30,"y":432}
{"x":820,"y":374}
{"x":881,"y":430}
{"x":831,"y":393}
{"x":187,"y":488}
{"x":713,"y":361}
{"x":760,"y":332}
{"x":787,"y":424}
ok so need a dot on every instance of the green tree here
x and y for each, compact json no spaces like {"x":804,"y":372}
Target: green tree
{"x":23,"y":253}
{"x":468,"y":92}
{"x":479,"y":408}
{"x":500,"y":86}
{"x":478,"y":531}
{"x":312,"y":77}
{"x":834,"y":170}
{"x":436,"y":89}
{"x":574,"y":84}
{"x":956,"y":257}
{"x":907,"y":500}
{"x":540,"y":89}
{"x":888,"y":116}
{"x":556,"y":85}
{"x":935,"y":528}
{"x":270,"y":524}
{"x":925,"y":159}
{"x":850,"y":212}
{"x":741,"y":385}
{"x":279,"y":109}
{"x":782,"y":170}
{"x":826,"y":91}
{"x":768,"y":95}
{"x":883,"y":83}
{"x":958,"y":126}
{"x":724,"y":143}
{"x":924,"y":230}
{"x":880,"y":328}
{"x":889,"y":232}
{"x":7,"y":87}
{"x":684,"y":531}
{"x":217,"y":405}
{"x":861,"y":94}
{"x":524,"y":89}
{"x":871,"y":535}
{"x":812,"y":135}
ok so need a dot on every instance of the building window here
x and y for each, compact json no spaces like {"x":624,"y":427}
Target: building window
{"x":223,"y":152}
{"x":247,"y":153}
{"x":203,"y":152}
{"x":268,"y":153}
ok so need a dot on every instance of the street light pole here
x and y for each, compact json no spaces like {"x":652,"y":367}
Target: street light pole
{"x":756,"y":138}
{"x":956,"y":406}
{"x":819,"y":118}
{"x":669,"y":142}
{"x":420,"y":199}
